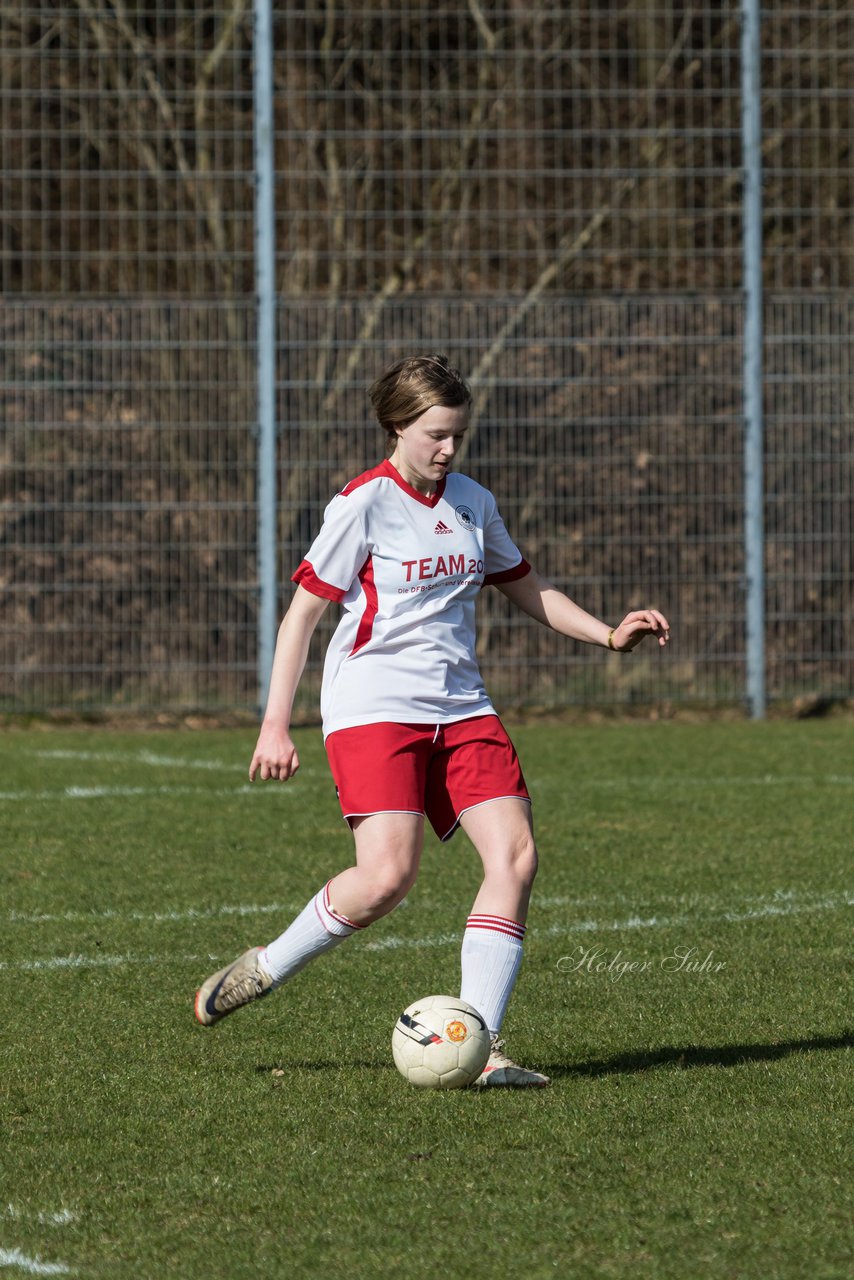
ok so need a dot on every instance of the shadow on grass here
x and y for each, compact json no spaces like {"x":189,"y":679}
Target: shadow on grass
{"x":727,"y":1055}
{"x":320,"y":1064}
{"x":682,"y":1058}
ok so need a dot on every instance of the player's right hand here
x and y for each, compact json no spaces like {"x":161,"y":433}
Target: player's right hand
{"x":275,"y":756}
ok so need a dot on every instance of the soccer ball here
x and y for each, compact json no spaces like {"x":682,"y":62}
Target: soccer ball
{"x":440,"y":1042}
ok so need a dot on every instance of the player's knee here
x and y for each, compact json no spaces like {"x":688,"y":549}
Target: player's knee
{"x":386,"y":887}
{"x":525,"y":860}
{"x":517,"y":861}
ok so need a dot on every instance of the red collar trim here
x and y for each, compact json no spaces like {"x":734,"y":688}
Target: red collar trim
{"x":388,"y":468}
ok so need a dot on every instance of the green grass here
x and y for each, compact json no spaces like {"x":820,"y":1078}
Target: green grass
{"x":698,"y":1123}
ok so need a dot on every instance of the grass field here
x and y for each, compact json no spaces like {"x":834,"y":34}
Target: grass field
{"x":686,"y":984}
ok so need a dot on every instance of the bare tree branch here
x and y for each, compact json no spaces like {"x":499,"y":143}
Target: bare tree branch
{"x":213,"y":204}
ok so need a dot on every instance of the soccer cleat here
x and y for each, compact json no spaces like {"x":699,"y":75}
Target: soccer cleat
{"x":502,"y":1072}
{"x":234,"y":986}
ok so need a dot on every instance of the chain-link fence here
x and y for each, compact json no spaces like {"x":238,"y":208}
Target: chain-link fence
{"x":552,"y":194}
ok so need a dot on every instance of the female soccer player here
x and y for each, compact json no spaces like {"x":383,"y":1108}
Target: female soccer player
{"x":405,"y":549}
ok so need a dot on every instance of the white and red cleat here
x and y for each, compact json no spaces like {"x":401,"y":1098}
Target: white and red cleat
{"x":502,"y":1072}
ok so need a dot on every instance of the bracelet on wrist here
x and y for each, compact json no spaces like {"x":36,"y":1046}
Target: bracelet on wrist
{"x":611,"y":638}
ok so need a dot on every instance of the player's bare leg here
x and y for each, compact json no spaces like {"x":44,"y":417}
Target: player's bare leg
{"x":388,"y":851}
{"x":502,"y":832}
{"x":388,"y":854}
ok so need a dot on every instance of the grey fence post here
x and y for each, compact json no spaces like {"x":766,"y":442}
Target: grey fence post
{"x":265,"y":288}
{"x":754,"y":497}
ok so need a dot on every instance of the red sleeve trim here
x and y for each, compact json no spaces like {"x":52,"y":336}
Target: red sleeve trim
{"x":307,"y":578}
{"x":521,"y":570}
{"x":366,"y":622}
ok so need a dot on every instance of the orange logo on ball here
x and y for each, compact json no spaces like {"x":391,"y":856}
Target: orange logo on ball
{"x":456,"y":1031}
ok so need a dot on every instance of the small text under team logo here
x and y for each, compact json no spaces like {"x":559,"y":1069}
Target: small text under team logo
{"x":441,"y":527}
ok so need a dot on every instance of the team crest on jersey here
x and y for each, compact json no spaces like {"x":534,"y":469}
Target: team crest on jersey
{"x":465,"y":517}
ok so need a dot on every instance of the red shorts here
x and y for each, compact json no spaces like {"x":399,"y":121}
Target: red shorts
{"x":439,"y":770}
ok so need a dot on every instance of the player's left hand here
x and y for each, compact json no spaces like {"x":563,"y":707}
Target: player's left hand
{"x":637,"y":626}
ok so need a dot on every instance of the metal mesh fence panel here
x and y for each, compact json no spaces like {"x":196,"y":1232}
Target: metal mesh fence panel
{"x":809,"y":483}
{"x":550,"y":193}
{"x":128,"y":506}
{"x":494,"y":146}
{"x":128,"y":479}
{"x":126,"y":149}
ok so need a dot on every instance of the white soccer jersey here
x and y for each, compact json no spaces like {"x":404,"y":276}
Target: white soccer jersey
{"x":407,"y":570}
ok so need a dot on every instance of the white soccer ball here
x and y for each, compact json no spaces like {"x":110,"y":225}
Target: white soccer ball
{"x":440,"y":1042}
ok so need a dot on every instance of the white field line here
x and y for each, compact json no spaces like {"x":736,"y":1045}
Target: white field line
{"x":100,"y":962}
{"x":129,"y":792}
{"x":765,"y":780}
{"x":63,"y":1218}
{"x":769,"y":903}
{"x":149,"y":758}
{"x":154,"y":760}
{"x":101,"y":793}
{"x":737,"y":915}
{"x":187,"y":916}
{"x":33,"y":1266}
{"x":698,"y":902}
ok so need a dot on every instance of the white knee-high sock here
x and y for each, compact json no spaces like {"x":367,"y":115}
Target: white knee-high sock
{"x":490,"y":959}
{"x":318,"y":928}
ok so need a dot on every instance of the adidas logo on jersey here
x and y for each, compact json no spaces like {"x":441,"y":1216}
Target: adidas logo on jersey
{"x":441,"y":527}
